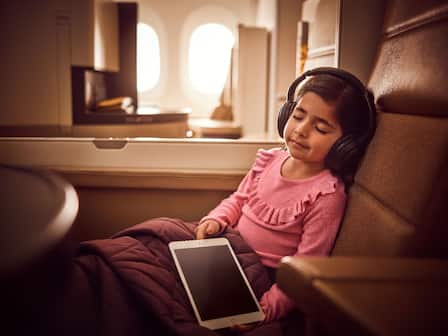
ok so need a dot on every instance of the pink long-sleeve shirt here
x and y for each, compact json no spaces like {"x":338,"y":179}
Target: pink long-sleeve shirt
{"x":278,"y":217}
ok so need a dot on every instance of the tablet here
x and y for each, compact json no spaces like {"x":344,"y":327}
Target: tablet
{"x":215,"y":283}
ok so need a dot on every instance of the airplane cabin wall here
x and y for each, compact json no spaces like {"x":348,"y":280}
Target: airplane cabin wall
{"x":285,"y":32}
{"x":174,"y":24}
{"x":29,"y":90}
{"x":104,"y":211}
{"x":343,"y":34}
{"x":40,"y":41}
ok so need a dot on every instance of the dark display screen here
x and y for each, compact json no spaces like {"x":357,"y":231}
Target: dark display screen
{"x":215,"y":282}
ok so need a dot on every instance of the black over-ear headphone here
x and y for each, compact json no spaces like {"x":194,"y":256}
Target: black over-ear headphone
{"x":347,"y":148}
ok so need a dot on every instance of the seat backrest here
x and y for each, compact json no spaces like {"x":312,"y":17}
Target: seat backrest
{"x":397,"y":205}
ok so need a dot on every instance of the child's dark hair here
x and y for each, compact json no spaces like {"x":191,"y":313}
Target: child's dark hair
{"x":353,"y":113}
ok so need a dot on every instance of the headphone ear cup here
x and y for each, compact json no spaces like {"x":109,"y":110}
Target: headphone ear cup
{"x":344,"y":152}
{"x":283,"y":116}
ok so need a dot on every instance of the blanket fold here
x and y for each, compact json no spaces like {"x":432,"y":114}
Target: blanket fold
{"x":128,"y":284}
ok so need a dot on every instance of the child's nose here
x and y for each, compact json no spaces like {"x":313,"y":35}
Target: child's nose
{"x":303,"y":129}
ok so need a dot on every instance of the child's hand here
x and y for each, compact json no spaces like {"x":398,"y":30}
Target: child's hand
{"x":207,"y":228}
{"x":241,"y":328}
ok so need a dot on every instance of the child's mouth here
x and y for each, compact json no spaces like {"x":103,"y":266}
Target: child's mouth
{"x":299,"y":144}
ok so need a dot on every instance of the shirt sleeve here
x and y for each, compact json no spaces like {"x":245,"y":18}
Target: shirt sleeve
{"x":228,"y":212}
{"x":275,"y":304}
{"x":321,"y":225}
{"x":320,"y":228}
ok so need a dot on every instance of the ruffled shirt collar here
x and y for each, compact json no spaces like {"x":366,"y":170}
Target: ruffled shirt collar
{"x":278,"y":200}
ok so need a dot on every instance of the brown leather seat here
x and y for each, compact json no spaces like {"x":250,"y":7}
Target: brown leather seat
{"x":397,"y":205}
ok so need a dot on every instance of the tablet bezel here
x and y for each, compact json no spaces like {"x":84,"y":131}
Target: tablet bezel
{"x":222,"y":322}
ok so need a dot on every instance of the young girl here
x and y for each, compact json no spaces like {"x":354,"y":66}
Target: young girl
{"x":292,"y":200}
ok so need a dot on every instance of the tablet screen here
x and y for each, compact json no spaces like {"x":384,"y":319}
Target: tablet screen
{"x":215,"y":282}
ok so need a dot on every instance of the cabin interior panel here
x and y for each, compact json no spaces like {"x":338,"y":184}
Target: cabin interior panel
{"x":112,"y":201}
{"x":103,"y":211}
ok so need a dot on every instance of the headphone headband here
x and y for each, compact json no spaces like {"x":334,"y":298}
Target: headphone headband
{"x":342,"y":74}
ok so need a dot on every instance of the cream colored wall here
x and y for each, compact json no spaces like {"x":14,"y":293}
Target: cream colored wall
{"x":343,"y":34}
{"x":251,"y":84}
{"x":29,"y":89}
{"x":280,"y":17}
{"x":106,"y":44}
{"x":40,"y":42}
{"x":94,"y":34}
{"x":82,"y":15}
{"x":288,"y":15}
{"x":322,"y":17}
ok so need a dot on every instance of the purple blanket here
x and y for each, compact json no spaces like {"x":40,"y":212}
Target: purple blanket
{"x":128,"y":285}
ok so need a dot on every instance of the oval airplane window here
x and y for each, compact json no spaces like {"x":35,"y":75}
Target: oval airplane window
{"x":209,"y":57}
{"x":148,"y":57}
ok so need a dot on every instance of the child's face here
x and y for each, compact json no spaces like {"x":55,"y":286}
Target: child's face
{"x":311,"y":129}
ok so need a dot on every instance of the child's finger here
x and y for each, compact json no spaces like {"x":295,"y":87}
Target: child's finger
{"x":240,"y":328}
{"x":200,"y":234}
{"x":243,"y":327}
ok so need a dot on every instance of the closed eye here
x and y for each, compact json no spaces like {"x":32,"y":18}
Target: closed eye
{"x":320,"y":130}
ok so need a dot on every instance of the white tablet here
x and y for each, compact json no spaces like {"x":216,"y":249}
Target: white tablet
{"x":215,"y":283}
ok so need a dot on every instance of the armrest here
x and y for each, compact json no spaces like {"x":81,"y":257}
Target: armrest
{"x":369,"y":296}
